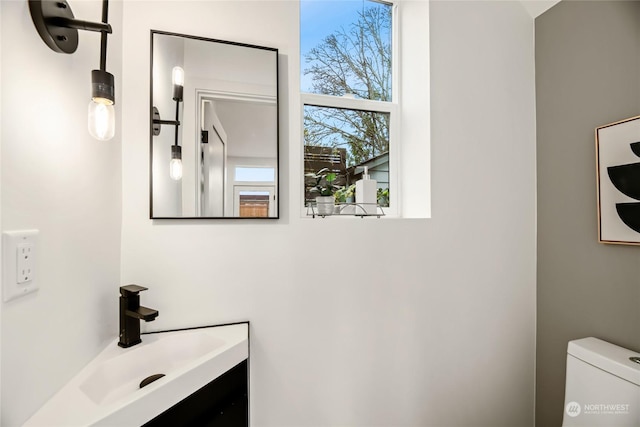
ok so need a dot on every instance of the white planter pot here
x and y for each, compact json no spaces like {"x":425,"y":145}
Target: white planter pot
{"x":325,"y":204}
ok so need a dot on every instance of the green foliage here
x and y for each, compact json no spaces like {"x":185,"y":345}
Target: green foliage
{"x":345,"y":193}
{"x":383,"y":197}
{"x":324,"y":182}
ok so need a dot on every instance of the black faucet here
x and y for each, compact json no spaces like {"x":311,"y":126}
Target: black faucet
{"x":130,"y":314}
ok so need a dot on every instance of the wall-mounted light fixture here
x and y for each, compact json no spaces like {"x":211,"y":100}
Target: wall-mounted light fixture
{"x":58,"y":28}
{"x":175,"y":165}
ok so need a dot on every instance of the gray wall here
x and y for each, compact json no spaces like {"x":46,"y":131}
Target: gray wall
{"x":587,"y":75}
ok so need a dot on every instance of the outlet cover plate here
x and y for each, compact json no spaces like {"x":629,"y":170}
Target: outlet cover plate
{"x":19,"y":252}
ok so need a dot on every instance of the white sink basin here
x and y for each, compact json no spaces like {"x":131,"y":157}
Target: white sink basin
{"x":107,"y":391}
{"x":121,"y":375}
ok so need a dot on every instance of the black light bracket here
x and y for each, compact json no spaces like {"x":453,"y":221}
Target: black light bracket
{"x":102,"y":85}
{"x":176,"y":152}
{"x":57,"y":26}
{"x":177,"y":93}
{"x":157,"y":122}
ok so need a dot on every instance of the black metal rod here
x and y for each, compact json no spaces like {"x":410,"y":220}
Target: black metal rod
{"x":79,"y":24}
{"x":177,"y":121}
{"x":103,"y":36}
{"x":166,"y":122}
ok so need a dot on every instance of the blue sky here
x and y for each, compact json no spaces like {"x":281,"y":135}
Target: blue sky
{"x":318,"y":19}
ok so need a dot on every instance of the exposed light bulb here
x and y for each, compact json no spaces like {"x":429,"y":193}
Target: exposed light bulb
{"x":102,"y":115}
{"x":102,"y":119}
{"x":175,"y":165}
{"x":177,"y":75}
{"x":175,"y":169}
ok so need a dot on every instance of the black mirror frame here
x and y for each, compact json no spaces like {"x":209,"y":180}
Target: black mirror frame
{"x":151,"y":127}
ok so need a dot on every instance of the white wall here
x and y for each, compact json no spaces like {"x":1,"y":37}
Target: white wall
{"x":441,"y":333}
{"x":57,"y":179}
{"x":1,"y":272}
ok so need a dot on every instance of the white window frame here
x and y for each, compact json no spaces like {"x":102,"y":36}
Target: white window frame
{"x":350,"y":103}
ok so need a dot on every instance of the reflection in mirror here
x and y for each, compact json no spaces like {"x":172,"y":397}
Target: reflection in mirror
{"x":214,"y":130}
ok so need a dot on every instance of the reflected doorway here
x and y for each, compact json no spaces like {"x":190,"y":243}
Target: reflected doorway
{"x":253,"y":201}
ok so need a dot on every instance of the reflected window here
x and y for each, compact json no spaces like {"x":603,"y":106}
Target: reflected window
{"x":255,"y":174}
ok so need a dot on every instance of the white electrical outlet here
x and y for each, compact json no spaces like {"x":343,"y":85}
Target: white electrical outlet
{"x":19,"y":250}
{"x":25,"y":262}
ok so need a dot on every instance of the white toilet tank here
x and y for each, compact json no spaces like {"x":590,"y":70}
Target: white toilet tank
{"x":602,"y":385}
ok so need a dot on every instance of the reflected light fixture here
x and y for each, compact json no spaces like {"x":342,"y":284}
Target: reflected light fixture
{"x":177,"y":76}
{"x":175,"y":165}
{"x":58,"y":28}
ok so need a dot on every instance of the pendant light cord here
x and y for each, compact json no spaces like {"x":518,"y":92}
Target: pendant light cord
{"x":103,"y":36}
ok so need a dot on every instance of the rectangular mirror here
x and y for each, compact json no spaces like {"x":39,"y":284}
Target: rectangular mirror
{"x":214,"y":128}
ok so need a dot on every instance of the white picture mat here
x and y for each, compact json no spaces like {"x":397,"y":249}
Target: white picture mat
{"x":613,"y":149}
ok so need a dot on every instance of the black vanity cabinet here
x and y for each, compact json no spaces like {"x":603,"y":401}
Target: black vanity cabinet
{"x":224,"y":402}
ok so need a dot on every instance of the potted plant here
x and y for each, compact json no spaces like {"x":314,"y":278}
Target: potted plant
{"x":383,"y":197}
{"x":350,"y":194}
{"x":341,"y":195}
{"x":325,"y":189}
{"x":345,"y":194}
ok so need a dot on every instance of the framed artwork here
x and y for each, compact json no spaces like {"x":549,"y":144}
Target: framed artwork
{"x":618,"y":172}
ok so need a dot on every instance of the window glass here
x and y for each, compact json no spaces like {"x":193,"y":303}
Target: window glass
{"x":346,"y":54}
{"x":346,"y":48}
{"x":345,"y":141}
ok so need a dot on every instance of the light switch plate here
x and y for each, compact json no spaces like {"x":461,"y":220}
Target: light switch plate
{"x":19,"y":263}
